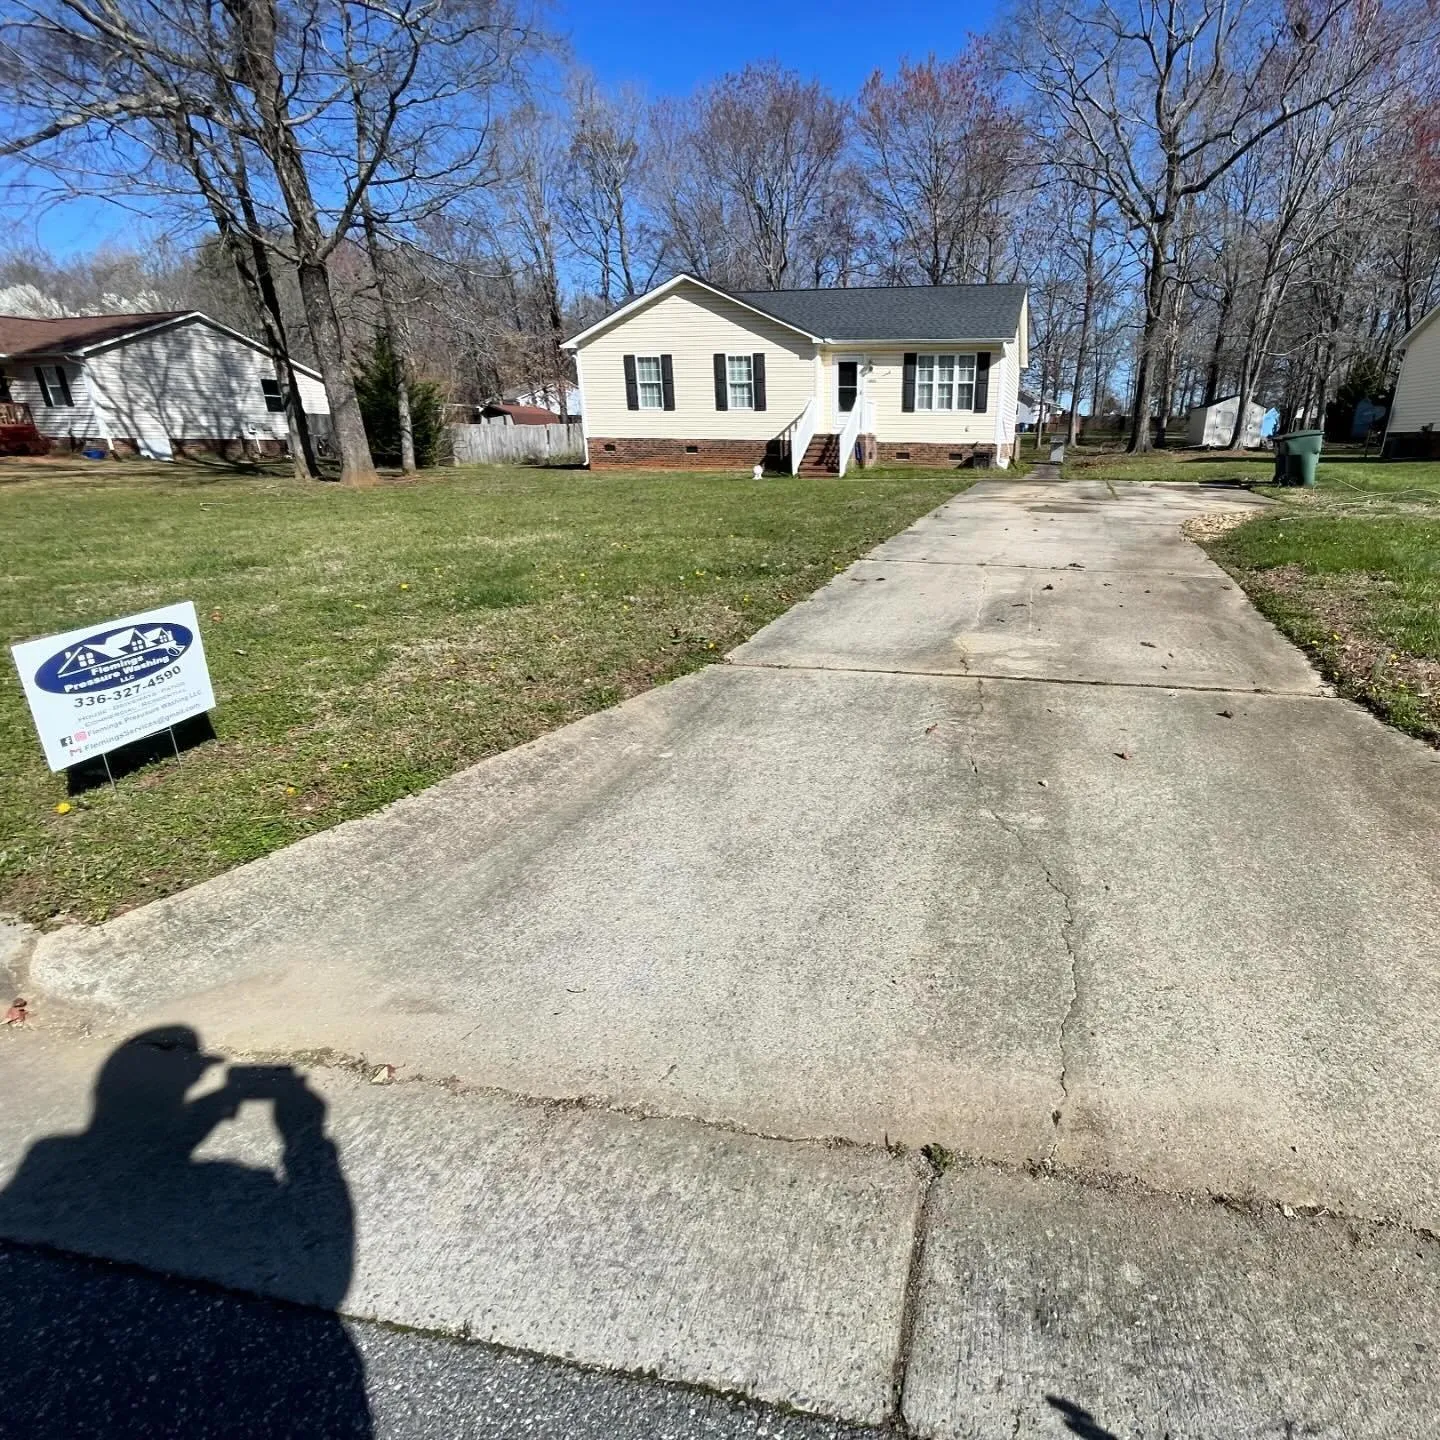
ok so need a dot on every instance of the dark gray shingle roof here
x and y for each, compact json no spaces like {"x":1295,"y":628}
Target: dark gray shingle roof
{"x":901,"y":312}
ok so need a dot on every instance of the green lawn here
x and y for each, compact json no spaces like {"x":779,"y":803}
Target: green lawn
{"x":364,"y":644}
{"x":1349,"y":570}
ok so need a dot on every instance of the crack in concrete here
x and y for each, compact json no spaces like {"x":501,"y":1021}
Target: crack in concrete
{"x":1066,"y":926}
{"x":1167,"y":686}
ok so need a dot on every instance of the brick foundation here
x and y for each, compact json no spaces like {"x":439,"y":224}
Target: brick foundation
{"x":246,"y":449}
{"x":607,"y":453}
{"x":939,"y":457}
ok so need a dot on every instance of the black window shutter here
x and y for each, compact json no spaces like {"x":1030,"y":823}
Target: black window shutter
{"x":667,"y":381}
{"x":907,"y":384}
{"x":632,"y":390}
{"x":722,"y":385}
{"x":982,"y":380}
{"x":757,"y":363}
{"x":44,"y":388}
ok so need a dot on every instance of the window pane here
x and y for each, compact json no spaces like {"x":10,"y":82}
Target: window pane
{"x":944,"y":382}
{"x":648,"y":383}
{"x":965,"y":388}
{"x":924,"y":382}
{"x":742,"y":389}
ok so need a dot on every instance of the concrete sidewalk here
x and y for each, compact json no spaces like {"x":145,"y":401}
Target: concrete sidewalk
{"x":1025,"y":841}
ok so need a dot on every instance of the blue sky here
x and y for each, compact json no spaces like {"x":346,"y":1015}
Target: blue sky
{"x":666,"y":47}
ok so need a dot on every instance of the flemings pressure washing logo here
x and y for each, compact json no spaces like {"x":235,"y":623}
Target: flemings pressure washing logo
{"x":113,"y":658}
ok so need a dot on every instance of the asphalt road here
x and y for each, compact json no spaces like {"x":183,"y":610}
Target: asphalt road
{"x":90,"y":1349}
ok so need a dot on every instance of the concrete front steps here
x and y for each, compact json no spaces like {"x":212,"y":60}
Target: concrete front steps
{"x":854,"y":1282}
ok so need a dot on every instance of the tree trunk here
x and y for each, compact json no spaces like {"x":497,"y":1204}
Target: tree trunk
{"x":346,"y":424}
{"x":1140,"y":440}
{"x":1087,"y":307}
{"x":394,"y":334}
{"x":256,"y":31}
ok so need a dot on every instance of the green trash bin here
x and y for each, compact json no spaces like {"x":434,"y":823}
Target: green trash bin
{"x":1296,"y":456}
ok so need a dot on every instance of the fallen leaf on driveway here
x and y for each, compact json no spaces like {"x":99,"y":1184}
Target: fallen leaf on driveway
{"x":930,"y":729}
{"x":383,"y":1075}
{"x":1121,"y":754}
{"x":1226,"y":714}
{"x":18,"y":1013}
{"x":1149,"y":644}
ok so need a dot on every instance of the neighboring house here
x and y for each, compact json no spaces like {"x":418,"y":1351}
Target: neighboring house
{"x":148,"y":384}
{"x":694,"y":377}
{"x":1209,"y":427}
{"x":1031,"y":411}
{"x":1413,"y":430}
{"x":509,"y":414}
{"x":547,"y":397}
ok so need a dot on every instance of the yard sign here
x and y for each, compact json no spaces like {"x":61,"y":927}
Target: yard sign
{"x":94,"y":689}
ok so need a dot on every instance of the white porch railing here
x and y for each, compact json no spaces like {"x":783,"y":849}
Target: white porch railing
{"x":802,"y":432}
{"x":850,"y":431}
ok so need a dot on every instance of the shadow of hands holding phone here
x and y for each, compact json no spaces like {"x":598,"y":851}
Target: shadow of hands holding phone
{"x":91,"y":1350}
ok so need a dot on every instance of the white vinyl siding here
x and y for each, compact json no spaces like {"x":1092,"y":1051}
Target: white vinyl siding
{"x":195,"y":382}
{"x":649,"y":382}
{"x":76,"y":421}
{"x":1005,"y":392}
{"x":693,"y":326}
{"x":1417,"y":391}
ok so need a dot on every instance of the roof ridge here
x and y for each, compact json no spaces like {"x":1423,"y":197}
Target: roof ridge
{"x":850,"y":289}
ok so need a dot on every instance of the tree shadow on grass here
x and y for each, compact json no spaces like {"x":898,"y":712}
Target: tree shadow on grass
{"x":95,"y":1351}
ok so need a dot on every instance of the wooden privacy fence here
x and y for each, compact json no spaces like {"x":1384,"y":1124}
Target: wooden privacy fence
{"x":509,"y":444}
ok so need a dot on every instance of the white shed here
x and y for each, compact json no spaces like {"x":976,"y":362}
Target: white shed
{"x":1210,"y":427}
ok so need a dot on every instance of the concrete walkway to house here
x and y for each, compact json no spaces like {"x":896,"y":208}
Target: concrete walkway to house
{"x":1009,"y":984}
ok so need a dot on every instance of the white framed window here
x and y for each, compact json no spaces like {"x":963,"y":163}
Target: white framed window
{"x":740,"y":375}
{"x":54,"y":387}
{"x":274,"y":400}
{"x":945,"y":382}
{"x":649,"y":384}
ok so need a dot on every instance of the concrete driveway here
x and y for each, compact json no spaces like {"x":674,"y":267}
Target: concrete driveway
{"x":1026,"y":840}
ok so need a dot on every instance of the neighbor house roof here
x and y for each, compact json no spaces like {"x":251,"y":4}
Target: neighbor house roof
{"x":896,"y":312}
{"x":523,"y":414}
{"x":22,"y":335}
{"x":867,"y":312}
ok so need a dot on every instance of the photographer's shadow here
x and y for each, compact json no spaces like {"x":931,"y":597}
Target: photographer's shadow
{"x":97,"y":1350}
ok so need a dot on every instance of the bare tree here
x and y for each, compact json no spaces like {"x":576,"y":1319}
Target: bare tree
{"x":277,"y":84}
{"x":1161,"y":101}
{"x":768,"y":143}
{"x":942,"y":160}
{"x":601,"y":187}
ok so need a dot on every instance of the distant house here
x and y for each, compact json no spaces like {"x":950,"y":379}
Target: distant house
{"x":691,"y":376}
{"x":1031,"y":411}
{"x":548,"y":397}
{"x":508,"y":414}
{"x":1209,"y":427}
{"x":149,"y":384}
{"x":1413,"y":431}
